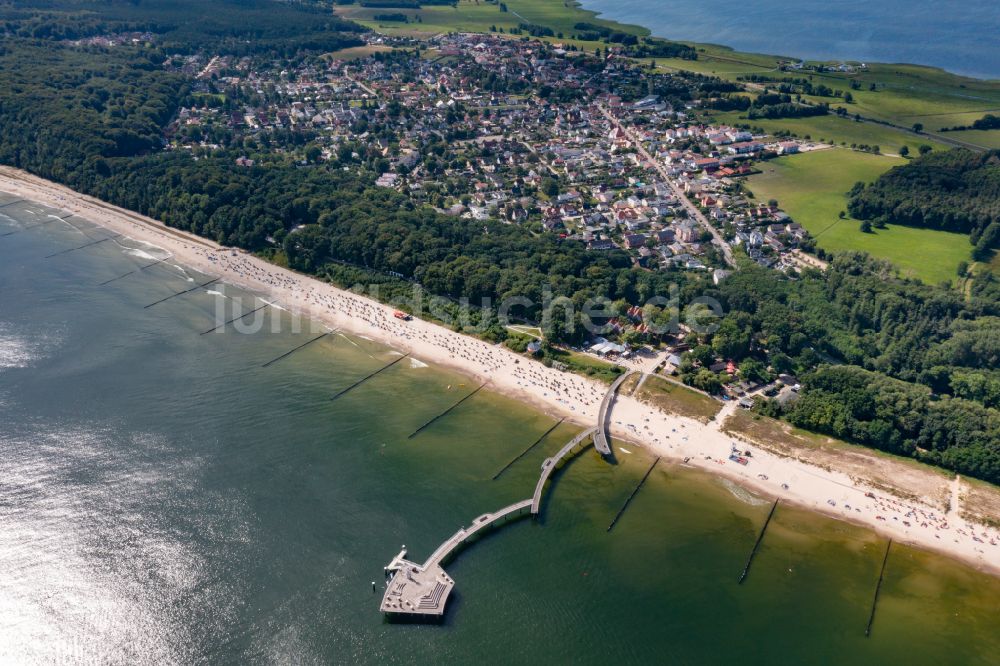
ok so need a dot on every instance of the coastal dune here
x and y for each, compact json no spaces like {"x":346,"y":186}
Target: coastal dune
{"x":921,"y":522}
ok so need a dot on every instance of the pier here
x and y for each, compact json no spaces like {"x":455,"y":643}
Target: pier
{"x":550,"y":464}
{"x":181,"y":293}
{"x":369,"y":376}
{"x":421,"y":590}
{"x":878,"y":587}
{"x":635,"y":492}
{"x":445,"y":412}
{"x":601,"y":437}
{"x":756,"y":545}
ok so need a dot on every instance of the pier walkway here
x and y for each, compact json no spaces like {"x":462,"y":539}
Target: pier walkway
{"x":444,"y":550}
{"x":423,"y":589}
{"x":550,"y":465}
{"x":601,"y":436}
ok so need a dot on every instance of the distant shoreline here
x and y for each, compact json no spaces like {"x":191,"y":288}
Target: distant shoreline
{"x":677,"y":438}
{"x":606,"y":16}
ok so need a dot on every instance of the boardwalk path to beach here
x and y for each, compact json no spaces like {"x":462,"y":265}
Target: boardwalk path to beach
{"x":601,"y":439}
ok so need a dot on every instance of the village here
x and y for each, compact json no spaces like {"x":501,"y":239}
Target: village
{"x":519,"y":132}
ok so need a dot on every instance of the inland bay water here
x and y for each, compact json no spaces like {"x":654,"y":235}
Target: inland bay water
{"x":166,"y":499}
{"x":959,"y":36}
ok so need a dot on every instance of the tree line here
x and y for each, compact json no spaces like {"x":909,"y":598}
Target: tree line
{"x":891,"y":363}
{"x":231,"y":27}
{"x":956,"y":190}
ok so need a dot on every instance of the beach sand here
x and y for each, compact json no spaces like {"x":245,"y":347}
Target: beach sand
{"x":924,"y":523}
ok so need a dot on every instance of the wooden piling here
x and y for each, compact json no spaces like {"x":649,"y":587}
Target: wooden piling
{"x":292,"y":351}
{"x":181,"y":293}
{"x":80,"y":247}
{"x":445,"y":412}
{"x":878,"y":587}
{"x":756,"y":545}
{"x":226,"y":323}
{"x":635,"y":491}
{"x":27,"y":228}
{"x":369,"y":376}
{"x":525,"y":452}
{"x":124,"y":275}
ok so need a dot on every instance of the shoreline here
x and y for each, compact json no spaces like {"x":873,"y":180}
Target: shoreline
{"x":606,"y":16}
{"x":704,"y":446}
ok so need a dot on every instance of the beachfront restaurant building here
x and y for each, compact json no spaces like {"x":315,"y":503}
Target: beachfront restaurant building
{"x":605,"y":348}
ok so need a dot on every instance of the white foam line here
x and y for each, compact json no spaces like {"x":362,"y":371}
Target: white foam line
{"x":351,"y":341}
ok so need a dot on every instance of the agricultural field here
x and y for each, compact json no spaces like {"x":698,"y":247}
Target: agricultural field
{"x":357,"y":52}
{"x":833,"y":129}
{"x":984,"y":138}
{"x":813,"y":187}
{"x":906,"y":95}
{"x":482,"y":16}
{"x":722,"y":61}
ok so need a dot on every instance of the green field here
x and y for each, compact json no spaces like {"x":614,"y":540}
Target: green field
{"x":812,"y":189}
{"x":984,"y":138}
{"x":906,"y":95}
{"x":357,"y":52}
{"x":585,"y":364}
{"x":833,"y":129}
{"x":678,"y":399}
{"x":480,"y":16}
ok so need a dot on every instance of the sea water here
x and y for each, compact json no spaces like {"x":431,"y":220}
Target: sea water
{"x":960,"y":37}
{"x":166,"y":499}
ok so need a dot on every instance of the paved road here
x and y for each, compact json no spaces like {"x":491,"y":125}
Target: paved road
{"x":693,"y":212}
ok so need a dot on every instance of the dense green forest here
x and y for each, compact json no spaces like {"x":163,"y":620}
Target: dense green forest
{"x":65,"y":110}
{"x":235,"y":27}
{"x":957,"y":190}
{"x":902,"y":418}
{"x":346,"y":218}
{"x":895,"y":364}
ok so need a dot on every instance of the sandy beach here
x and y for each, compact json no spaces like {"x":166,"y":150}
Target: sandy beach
{"x":705,"y":446}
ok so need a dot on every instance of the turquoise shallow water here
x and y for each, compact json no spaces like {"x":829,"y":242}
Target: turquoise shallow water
{"x":960,"y":37}
{"x":165,"y":499}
